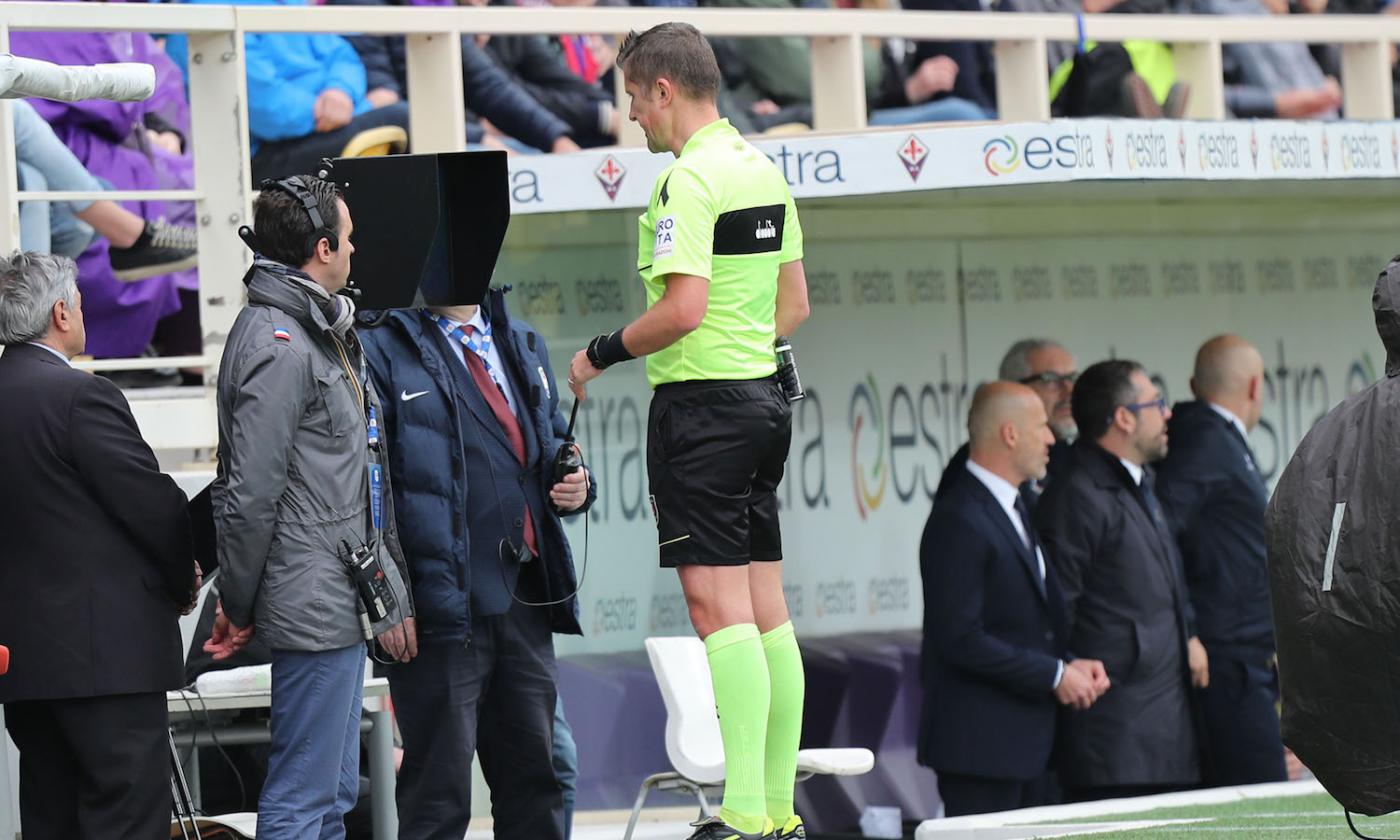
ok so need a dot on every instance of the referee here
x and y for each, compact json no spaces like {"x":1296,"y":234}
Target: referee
{"x":720,"y":252}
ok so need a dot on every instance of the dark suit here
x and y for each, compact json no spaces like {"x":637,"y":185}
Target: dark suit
{"x":993,"y":640}
{"x":97,"y":557}
{"x":1215,"y":500}
{"x":1125,"y":604}
{"x":1030,"y":491}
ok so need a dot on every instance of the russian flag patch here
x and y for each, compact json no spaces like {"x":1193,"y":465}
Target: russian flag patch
{"x":281,"y":334}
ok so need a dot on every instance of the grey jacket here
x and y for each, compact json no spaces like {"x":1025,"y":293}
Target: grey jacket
{"x":293,"y":477}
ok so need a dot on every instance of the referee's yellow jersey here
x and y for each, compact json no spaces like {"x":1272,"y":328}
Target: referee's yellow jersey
{"x":724,"y":212}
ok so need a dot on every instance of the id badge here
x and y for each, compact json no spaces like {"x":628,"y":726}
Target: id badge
{"x":376,"y":496}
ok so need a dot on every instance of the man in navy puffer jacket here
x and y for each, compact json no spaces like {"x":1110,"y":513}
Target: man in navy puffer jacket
{"x":472,"y":422}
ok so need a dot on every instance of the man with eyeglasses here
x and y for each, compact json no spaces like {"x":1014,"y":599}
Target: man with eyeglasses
{"x":1049,"y":370}
{"x":1125,"y":596}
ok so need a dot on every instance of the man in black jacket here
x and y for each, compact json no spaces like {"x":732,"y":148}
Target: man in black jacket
{"x":1048,"y":369}
{"x":98,"y":563}
{"x":1125,"y":598}
{"x":1215,"y":500}
{"x":489,"y":91}
{"x":994,"y":663}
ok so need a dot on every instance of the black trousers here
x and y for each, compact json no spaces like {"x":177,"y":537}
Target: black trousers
{"x":1245,"y":744}
{"x":300,"y":155}
{"x":495,"y":695}
{"x":95,"y":768}
{"x":977,"y":795}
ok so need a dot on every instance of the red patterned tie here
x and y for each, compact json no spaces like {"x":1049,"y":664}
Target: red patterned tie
{"x":510,"y":424}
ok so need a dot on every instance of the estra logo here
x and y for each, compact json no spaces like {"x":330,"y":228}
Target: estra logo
{"x":1072,"y":150}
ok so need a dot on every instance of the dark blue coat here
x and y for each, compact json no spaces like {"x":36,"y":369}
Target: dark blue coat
{"x":1215,"y":500}
{"x":1030,"y":490}
{"x":436,"y":456}
{"x":993,"y":638}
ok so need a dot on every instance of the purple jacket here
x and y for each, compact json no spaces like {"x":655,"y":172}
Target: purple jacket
{"x":109,"y":138}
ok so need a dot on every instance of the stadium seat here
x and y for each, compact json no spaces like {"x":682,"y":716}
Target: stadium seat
{"x":374,"y":142}
{"x":693,"y":742}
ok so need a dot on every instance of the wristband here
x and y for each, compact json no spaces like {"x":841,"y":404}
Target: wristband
{"x":607,"y":350}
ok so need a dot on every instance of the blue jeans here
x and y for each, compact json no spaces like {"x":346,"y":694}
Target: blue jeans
{"x":46,"y":164}
{"x":313,"y":769}
{"x":565,"y":764}
{"x":947,"y":109}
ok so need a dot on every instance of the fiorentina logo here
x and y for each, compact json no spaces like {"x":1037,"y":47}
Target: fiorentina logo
{"x":1395,"y":148}
{"x":1254,"y":148}
{"x":1108,"y":145}
{"x":1181,"y":146}
{"x":913,"y":154}
{"x":1325,"y":150}
{"x":610,"y":174}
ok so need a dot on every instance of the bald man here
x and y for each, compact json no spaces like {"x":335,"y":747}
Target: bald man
{"x":994,"y":664}
{"x":1215,"y":500}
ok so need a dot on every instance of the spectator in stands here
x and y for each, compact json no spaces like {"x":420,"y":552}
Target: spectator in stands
{"x":292,"y":501}
{"x":976,"y":79}
{"x":1048,"y":369}
{"x":1214,"y":498}
{"x":773,"y":79}
{"x":306,"y":97}
{"x":1280,"y":80}
{"x":489,"y":91}
{"x":995,"y":664}
{"x":139,"y":249}
{"x":98,"y":563}
{"x":471,"y":455}
{"x":129,"y":146}
{"x":1125,"y":598}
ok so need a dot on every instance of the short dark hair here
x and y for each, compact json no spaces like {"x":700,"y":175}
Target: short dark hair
{"x":283,"y":226}
{"x":1100,"y":391}
{"x":675,"y":51}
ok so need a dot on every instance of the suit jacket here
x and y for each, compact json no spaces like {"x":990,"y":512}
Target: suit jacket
{"x":1125,"y":604}
{"x":993,"y":640}
{"x":1215,"y":500}
{"x":97,"y":555}
{"x":1031,"y":491}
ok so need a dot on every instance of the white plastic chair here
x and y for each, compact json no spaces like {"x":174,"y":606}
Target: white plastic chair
{"x":693,"y":741}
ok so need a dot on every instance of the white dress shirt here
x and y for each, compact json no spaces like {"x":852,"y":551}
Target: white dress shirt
{"x":1230,"y":416}
{"x":493,"y":356}
{"x":1006,"y":493}
{"x":51,"y":350}
{"x":1134,"y":470}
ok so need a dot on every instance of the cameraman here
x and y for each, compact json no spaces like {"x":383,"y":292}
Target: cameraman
{"x":300,"y":459}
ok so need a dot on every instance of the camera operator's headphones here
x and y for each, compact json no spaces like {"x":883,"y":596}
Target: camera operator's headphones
{"x":296,"y":188}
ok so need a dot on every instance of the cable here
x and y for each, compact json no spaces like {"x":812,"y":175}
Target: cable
{"x":1352,"y":826}
{"x":209,"y":725}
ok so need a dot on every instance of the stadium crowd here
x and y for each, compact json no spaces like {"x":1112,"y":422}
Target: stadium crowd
{"x":311,"y":95}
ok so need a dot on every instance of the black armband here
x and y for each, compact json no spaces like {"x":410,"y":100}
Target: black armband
{"x":607,"y":350}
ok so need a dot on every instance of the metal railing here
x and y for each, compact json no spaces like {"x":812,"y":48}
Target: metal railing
{"x":218,"y":97}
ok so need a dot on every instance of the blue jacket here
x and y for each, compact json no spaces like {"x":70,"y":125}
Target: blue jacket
{"x":286,"y":72}
{"x":993,"y":639}
{"x":1215,"y":500}
{"x":441,"y":512}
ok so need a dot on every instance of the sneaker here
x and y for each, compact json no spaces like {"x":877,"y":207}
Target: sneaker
{"x":793,"y":829}
{"x":714,"y":828}
{"x":161,"y":249}
{"x":1138,"y":99}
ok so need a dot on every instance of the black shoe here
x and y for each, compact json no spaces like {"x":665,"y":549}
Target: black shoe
{"x":791,"y":830}
{"x":162,"y":248}
{"x":714,"y":828}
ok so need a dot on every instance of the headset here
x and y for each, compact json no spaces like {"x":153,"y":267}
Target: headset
{"x":296,"y":188}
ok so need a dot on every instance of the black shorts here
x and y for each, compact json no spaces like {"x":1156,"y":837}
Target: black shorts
{"x":715,"y":455}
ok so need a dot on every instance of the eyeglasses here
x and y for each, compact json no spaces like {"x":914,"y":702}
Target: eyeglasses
{"x":1160,"y":404}
{"x":1051,"y":378}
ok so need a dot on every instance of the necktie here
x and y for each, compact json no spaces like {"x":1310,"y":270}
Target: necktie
{"x":1150,"y":497}
{"x":1024,"y":513}
{"x":510,"y":424}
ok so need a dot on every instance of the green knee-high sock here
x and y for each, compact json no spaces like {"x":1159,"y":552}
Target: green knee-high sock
{"x":740,"y":675}
{"x":789,"y":687}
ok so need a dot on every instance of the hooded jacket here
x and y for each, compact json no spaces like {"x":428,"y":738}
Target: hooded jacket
{"x":294,"y":460}
{"x":1334,"y":571}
